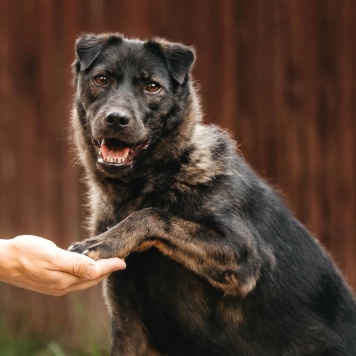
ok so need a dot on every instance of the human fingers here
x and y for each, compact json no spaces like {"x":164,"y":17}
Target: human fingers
{"x":110,"y":265}
{"x":63,"y":283}
{"x":73,"y":283}
{"x":75,"y":264}
{"x":84,"y":267}
{"x":79,"y":286}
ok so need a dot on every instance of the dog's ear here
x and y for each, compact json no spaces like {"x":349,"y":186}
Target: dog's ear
{"x":178,"y":57}
{"x":89,"y":46}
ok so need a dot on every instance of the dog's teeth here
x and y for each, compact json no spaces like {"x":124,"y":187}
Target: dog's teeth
{"x":116,"y":160}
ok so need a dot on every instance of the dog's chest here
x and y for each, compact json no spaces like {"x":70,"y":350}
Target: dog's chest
{"x":160,"y":192}
{"x":169,"y":296}
{"x":174,"y":304}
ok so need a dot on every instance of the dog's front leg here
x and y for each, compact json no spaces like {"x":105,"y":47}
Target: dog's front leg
{"x":231,"y":260}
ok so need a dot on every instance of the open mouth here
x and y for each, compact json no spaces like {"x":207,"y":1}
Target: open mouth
{"x":115,"y":152}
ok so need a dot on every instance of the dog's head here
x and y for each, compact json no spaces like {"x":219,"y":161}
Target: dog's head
{"x":130,"y":94}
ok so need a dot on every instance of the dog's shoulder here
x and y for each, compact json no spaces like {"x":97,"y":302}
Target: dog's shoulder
{"x":212,"y":153}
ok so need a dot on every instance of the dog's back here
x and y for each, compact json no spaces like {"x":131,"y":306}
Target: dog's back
{"x":216,"y":264}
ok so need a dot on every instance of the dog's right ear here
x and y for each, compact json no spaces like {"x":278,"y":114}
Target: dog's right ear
{"x":89,"y":46}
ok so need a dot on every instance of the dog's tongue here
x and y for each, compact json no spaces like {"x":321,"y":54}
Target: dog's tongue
{"x":114,"y":154}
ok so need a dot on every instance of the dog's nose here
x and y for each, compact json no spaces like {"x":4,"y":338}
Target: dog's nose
{"x":117,"y":120}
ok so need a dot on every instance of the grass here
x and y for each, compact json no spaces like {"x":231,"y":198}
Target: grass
{"x":10,"y":346}
{"x":30,"y":344}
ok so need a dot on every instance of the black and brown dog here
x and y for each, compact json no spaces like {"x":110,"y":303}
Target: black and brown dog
{"x":216,"y":263}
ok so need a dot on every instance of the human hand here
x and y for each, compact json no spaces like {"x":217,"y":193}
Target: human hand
{"x":37,"y":264}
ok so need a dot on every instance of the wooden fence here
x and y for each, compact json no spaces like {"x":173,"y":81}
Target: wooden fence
{"x":278,"y":74}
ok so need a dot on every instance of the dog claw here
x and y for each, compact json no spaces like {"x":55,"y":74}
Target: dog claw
{"x":76,"y":248}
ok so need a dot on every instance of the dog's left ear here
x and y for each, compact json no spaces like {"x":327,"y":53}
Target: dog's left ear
{"x":178,"y":57}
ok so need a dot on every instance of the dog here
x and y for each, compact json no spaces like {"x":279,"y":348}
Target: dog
{"x":216,"y":263}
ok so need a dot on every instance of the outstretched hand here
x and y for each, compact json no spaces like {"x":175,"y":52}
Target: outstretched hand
{"x":37,"y":264}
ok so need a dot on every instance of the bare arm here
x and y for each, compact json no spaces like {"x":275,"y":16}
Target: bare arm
{"x":37,"y":264}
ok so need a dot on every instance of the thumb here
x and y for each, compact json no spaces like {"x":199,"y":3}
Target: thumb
{"x":92,"y":272}
{"x":79,"y":265}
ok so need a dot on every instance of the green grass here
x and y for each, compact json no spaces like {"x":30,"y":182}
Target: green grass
{"x":27,"y":343}
{"x":33,"y":347}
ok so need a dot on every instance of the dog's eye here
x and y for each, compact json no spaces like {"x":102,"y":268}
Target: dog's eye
{"x":153,"y":87}
{"x":101,"y":80}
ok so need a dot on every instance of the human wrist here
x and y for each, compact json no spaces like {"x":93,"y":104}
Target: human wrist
{"x":5,"y":259}
{"x":8,"y":262}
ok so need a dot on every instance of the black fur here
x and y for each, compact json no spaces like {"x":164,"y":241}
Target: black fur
{"x":216,"y":263}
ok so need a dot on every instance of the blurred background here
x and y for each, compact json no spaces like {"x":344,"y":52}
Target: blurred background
{"x":279,"y":75}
